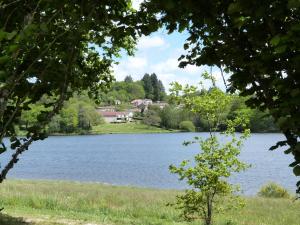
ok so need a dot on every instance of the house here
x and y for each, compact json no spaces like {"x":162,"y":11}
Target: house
{"x":142,"y":104}
{"x":106,"y":109}
{"x":116,"y":117}
{"x":161,"y":105}
{"x":138,"y":102}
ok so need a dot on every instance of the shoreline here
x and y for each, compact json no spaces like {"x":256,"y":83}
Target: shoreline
{"x":166,"y":132}
{"x":132,"y":128}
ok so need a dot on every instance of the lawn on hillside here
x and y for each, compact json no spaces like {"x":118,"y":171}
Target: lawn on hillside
{"x":133,"y":127}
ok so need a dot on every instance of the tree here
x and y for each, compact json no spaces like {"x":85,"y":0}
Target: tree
{"x":256,"y":42}
{"x":162,"y":91}
{"x":207,"y":175}
{"x":68,"y":119}
{"x":153,"y":87}
{"x":147,"y":84}
{"x":124,"y":91}
{"x":187,"y":126}
{"x":135,"y":90}
{"x":170,"y":117}
{"x":151,"y":118}
{"x":128,"y":79}
{"x":48,"y":50}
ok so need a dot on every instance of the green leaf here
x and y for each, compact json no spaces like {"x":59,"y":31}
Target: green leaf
{"x":13,"y":48}
{"x":293,"y":164}
{"x":233,"y":8}
{"x":186,"y":46}
{"x":2,"y":149}
{"x":2,"y":35}
{"x":295,"y":27}
{"x":280,"y":49}
{"x":275,"y":40}
{"x":297,"y":147}
{"x":288,"y":151}
{"x":282,"y":122}
{"x":11,"y":35}
{"x":44,"y":27}
{"x":2,"y":75}
{"x":4,"y":59}
{"x":278,"y":144}
{"x":296,"y":170}
{"x":293,"y":4}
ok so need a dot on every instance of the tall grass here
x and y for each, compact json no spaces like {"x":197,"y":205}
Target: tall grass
{"x":105,"y":204}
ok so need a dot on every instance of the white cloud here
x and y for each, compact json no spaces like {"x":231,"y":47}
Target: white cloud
{"x":191,"y":69}
{"x":136,"y":4}
{"x":150,"y":42}
{"x":136,"y":63}
{"x":167,"y":66}
{"x":134,"y":66}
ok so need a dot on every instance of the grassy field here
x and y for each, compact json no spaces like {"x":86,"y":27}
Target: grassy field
{"x":58,"y":202}
{"x":134,"y":127}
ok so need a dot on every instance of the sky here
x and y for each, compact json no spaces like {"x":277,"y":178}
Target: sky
{"x":159,"y":53}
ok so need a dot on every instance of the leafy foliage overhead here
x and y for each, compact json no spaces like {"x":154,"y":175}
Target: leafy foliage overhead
{"x":48,"y":48}
{"x":257,"y":42}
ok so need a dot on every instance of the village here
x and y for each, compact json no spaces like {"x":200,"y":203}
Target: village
{"x":111,"y":114}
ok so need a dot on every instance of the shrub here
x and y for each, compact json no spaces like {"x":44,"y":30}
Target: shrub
{"x":187,"y":126}
{"x":273,"y":190}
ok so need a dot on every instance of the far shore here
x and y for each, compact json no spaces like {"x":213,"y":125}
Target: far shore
{"x":129,"y":128}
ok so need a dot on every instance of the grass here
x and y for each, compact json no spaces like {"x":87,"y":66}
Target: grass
{"x":133,"y":127}
{"x":58,"y":202}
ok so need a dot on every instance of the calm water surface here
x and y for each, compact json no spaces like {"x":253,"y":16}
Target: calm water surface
{"x":143,"y":160}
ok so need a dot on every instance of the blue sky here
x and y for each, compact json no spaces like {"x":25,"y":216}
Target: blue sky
{"x":158,"y":53}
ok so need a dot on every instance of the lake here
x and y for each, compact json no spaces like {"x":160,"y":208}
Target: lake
{"x":143,"y":160}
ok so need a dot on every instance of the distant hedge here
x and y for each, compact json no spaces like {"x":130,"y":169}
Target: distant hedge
{"x":273,"y":190}
{"x":187,"y":126}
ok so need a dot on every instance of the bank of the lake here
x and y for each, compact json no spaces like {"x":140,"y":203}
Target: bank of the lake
{"x":116,"y":128}
{"x":128,"y":128}
{"x":58,"y":202}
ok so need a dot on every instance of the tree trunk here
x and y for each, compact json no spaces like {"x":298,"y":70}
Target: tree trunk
{"x":208,"y":220}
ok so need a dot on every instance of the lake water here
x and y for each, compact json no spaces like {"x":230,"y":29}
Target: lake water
{"x":143,"y":160}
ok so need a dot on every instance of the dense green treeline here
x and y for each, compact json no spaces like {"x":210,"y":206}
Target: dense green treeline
{"x":176,"y":117}
{"x":79,"y":114}
{"x":149,"y":87}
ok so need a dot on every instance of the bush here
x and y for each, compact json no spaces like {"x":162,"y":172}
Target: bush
{"x":187,"y":126}
{"x":273,"y":190}
{"x":169,"y":117}
{"x":151,"y":118}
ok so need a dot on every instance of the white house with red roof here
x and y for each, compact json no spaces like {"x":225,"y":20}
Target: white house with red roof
{"x":116,"y":117}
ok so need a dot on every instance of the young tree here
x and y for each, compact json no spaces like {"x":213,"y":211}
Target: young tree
{"x":257,"y":42}
{"x":207,"y":174}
